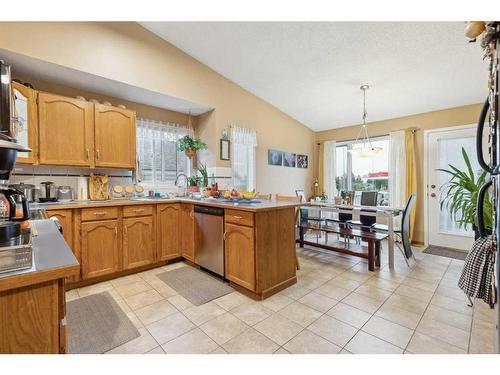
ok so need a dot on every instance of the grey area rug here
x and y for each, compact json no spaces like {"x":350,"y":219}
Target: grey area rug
{"x":446,"y":252}
{"x":96,"y":324}
{"x":196,"y":286}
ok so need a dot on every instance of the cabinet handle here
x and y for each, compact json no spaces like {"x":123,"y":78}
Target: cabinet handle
{"x":100,"y":213}
{"x":116,"y":232}
{"x":237,"y":217}
{"x":191,"y":214}
{"x":88,"y":154}
{"x":125,"y":229}
{"x":97,"y":154}
{"x":224,"y":236}
{"x":139,"y":210}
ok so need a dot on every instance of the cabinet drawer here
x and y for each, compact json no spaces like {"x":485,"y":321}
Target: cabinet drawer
{"x":99,"y":213}
{"x":239,"y":217}
{"x":133,"y":211}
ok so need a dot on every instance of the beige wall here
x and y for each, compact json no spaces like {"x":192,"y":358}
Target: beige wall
{"x":430,"y":120}
{"x":128,"y":53}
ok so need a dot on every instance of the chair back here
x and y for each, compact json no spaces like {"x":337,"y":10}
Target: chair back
{"x":264,"y":197}
{"x":367,"y":220}
{"x":405,"y":225}
{"x":369,"y":198}
{"x":288,"y":198}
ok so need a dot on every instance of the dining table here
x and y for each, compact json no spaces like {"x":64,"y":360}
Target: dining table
{"x":383,"y":212}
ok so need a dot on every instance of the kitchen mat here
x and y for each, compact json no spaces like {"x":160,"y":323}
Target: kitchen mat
{"x":197,"y":286}
{"x":96,"y":324}
{"x":446,"y":252}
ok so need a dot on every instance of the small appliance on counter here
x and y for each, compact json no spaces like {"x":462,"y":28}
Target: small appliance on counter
{"x":48,"y":192}
{"x":82,"y":188}
{"x":30,"y":191}
{"x":64,"y":193}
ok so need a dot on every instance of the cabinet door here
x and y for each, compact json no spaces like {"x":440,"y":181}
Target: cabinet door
{"x":114,"y":137}
{"x":187,"y":231}
{"x":100,"y":248}
{"x":240,"y":255}
{"x":138,"y":242}
{"x":66,"y":130}
{"x":167,"y":224}
{"x":27,"y":122}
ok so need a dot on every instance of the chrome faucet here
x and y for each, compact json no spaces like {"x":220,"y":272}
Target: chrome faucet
{"x":185,"y":178}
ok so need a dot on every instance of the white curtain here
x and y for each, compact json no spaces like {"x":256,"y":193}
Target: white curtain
{"x":329,"y":166}
{"x":397,"y":169}
{"x":243,"y":145}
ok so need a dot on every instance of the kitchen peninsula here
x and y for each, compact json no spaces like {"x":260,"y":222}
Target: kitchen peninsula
{"x":117,"y":237}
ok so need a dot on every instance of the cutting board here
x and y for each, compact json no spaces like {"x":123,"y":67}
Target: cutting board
{"x":98,"y":187}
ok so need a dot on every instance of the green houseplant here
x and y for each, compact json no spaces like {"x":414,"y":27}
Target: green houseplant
{"x":190,"y":145}
{"x":202,"y":169}
{"x":459,"y":195}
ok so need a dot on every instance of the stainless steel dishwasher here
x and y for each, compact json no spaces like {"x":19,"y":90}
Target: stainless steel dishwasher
{"x":209,"y":251}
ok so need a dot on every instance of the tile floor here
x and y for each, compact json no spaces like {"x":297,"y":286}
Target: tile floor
{"x":337,"y":306}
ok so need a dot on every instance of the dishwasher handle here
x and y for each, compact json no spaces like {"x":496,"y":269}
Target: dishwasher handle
{"x":216,"y":211}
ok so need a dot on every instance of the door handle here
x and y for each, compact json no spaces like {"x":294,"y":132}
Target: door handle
{"x":433,"y":195}
{"x":433,"y":186}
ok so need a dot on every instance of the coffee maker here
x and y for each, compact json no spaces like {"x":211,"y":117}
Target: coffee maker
{"x":14,"y":208}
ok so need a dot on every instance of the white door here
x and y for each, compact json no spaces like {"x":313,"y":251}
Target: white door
{"x":444,"y":147}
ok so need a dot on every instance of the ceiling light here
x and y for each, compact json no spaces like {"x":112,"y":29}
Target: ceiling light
{"x":366,"y":150}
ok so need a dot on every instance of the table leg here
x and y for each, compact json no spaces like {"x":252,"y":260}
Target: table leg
{"x":390,"y":241}
{"x":301,"y":237}
{"x":377,"y":253}
{"x":371,"y":255}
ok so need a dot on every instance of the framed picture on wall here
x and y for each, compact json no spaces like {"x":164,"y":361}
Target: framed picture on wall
{"x":300,"y":193}
{"x":274,"y":157}
{"x":302,"y":161}
{"x":289,"y":159}
{"x":225,"y":153}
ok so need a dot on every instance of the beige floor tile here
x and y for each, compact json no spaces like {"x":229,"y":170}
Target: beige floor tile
{"x":405,"y":303}
{"x":397,"y":315}
{"x":300,"y":314}
{"x":72,"y":295}
{"x":332,"y":291}
{"x":360,"y":276}
{"x":250,"y":342}
{"x":231,"y":300}
{"x":132,"y":288}
{"x":94,"y":289}
{"x":278,"y":328}
{"x":157,"y":350}
{"x":455,"y":293}
{"x":223,"y":328}
{"x":173,"y":266}
{"x":252,"y":312}
{"x":363,"y":302}
{"x":451,"y":318}
{"x":364,"y":343}
{"x":482,"y":311}
{"x":192,"y":342}
{"x":311,"y":282}
{"x":125,"y":280}
{"x":155,"y":311}
{"x":345,"y":283}
{"x":162,"y":288}
{"x":344,"y":351}
{"x":219,"y":350}
{"x":307,"y":342}
{"x":143,"y":299}
{"x":444,"y":332}
{"x":388,"y":331}
{"x":318,"y":302}
{"x":482,"y":339}
{"x":150,"y":274}
{"x":333,"y":330}
{"x":451,"y":304}
{"x":170,"y":327}
{"x":180,"y":302}
{"x":277,"y":302}
{"x":142,"y":344}
{"x":348,"y":314}
{"x":381,"y":283}
{"x":373,"y":292}
{"x":295,"y":291}
{"x":203,"y":313}
{"x":282,"y":351}
{"x":414,"y":293}
{"x":123,"y":305}
{"x":135,"y":320}
{"x":423,"y":344}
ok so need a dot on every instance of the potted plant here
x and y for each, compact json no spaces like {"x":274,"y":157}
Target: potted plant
{"x":190,"y":145}
{"x":193,"y":184}
{"x":459,"y":196}
{"x":202,"y":169}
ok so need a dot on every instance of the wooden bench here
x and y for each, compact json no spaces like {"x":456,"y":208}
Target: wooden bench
{"x":372,"y":238}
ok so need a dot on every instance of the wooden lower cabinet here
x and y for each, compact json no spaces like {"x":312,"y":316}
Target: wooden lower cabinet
{"x":240,"y":255}
{"x":100,"y":248}
{"x":187,"y":226}
{"x":138,"y":242}
{"x":167,"y":231}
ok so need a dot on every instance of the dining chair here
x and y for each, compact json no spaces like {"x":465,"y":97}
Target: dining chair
{"x":365,"y":222}
{"x":292,"y":198}
{"x":264,"y":197}
{"x":404,"y":231}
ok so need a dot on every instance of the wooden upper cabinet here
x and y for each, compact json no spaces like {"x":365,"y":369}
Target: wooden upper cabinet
{"x":27,"y":121}
{"x":66,"y":130}
{"x":240,"y":255}
{"x":167,"y":231}
{"x":138,"y":242}
{"x":100,"y":248}
{"x":114,"y":137}
{"x":187,"y":224}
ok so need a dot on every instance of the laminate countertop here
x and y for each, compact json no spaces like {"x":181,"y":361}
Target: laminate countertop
{"x":52,"y":259}
{"x":254,"y":206}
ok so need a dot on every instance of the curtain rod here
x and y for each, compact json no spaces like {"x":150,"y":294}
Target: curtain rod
{"x":413,"y":130}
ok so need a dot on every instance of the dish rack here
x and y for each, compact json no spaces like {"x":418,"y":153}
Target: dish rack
{"x":17,"y":257}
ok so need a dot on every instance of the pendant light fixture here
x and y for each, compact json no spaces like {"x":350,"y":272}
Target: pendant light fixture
{"x":366,"y":149}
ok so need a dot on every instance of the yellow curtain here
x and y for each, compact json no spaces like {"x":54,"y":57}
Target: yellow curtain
{"x":320,"y":188}
{"x":411,"y":173}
